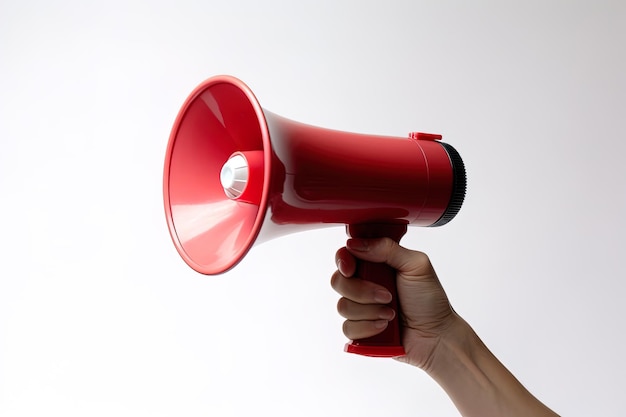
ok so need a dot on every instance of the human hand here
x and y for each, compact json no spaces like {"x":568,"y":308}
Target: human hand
{"x":435,"y":338}
{"x":425,"y":311}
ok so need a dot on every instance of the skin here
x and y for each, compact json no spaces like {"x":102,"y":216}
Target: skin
{"x":436,"y":339}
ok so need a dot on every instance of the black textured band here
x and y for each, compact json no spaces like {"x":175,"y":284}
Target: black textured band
{"x":459,"y":185}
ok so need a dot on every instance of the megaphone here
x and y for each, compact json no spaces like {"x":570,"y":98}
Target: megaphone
{"x":237,"y":175}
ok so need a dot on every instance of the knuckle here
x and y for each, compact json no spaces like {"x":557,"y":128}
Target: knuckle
{"x":421,"y":257}
{"x":359,"y":329}
{"x":342,"y":307}
{"x":346,"y":328}
{"x":335,"y":281}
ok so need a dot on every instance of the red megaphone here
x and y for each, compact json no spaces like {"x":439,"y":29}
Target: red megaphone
{"x":236,"y":175}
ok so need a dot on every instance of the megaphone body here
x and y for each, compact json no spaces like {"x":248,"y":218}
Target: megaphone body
{"x":237,"y":175}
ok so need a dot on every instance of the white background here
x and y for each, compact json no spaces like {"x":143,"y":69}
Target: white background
{"x":98,"y":314}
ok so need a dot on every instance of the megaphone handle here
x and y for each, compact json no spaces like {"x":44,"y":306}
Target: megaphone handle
{"x":388,"y":343}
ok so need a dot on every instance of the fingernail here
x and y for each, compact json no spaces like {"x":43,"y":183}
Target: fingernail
{"x":388,"y":315}
{"x":382,"y":296}
{"x":380,"y":324}
{"x":361,"y":245}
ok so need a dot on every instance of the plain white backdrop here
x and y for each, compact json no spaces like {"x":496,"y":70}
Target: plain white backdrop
{"x":98,"y":314}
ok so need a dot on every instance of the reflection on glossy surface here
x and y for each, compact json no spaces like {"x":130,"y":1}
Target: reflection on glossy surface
{"x":209,"y":234}
{"x":192,"y":220}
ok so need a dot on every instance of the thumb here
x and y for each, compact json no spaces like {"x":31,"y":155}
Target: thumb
{"x":405,"y":261}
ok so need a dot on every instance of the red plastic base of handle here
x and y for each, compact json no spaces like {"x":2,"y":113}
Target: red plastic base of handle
{"x":374,"y":351}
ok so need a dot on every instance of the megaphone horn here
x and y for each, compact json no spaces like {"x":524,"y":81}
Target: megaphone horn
{"x":237,"y":175}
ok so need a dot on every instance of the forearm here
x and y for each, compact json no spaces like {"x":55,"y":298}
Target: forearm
{"x":476,"y":381}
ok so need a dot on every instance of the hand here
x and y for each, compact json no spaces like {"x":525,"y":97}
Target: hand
{"x":425,"y":311}
{"x":435,"y":338}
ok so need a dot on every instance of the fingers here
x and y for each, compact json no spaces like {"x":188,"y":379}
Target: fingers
{"x":360,"y":291}
{"x":362,"y":329}
{"x":404,"y":260}
{"x":345,"y":262}
{"x":363,"y":320}
{"x":356,"y":312}
{"x":363,"y":303}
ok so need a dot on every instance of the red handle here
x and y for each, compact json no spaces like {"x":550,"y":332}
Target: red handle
{"x":388,"y":343}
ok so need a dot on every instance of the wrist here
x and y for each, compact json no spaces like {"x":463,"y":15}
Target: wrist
{"x":476,"y":381}
{"x":457,"y":352}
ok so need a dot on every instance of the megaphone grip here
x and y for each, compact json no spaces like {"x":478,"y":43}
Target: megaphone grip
{"x":388,"y":343}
